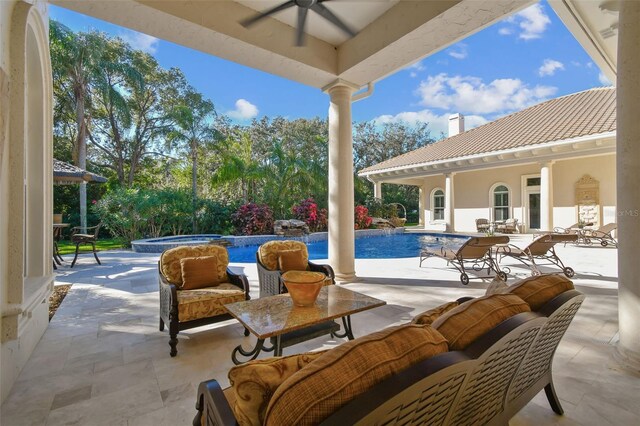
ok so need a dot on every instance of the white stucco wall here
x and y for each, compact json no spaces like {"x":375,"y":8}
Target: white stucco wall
{"x":473,"y":191}
{"x":25,"y":183}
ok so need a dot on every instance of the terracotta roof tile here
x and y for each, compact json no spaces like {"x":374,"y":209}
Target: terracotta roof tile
{"x":580,"y":114}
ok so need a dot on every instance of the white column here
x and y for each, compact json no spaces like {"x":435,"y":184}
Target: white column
{"x":628,"y":181}
{"x":546,"y":197}
{"x":377,"y":189}
{"x":449,"y":206}
{"x":422,"y":205}
{"x":341,"y":199}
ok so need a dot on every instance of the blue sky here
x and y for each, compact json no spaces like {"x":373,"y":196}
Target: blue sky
{"x":518,"y":62}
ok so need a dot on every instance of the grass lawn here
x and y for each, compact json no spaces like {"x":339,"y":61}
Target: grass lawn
{"x":66,"y":247}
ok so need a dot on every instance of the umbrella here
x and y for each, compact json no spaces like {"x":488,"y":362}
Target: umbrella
{"x":67,"y":174}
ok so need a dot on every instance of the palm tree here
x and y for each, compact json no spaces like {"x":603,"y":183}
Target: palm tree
{"x":193,"y":118}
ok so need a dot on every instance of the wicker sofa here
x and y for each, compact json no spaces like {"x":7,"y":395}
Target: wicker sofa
{"x":486,"y":382}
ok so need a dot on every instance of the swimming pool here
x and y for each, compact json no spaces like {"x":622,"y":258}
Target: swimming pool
{"x":383,"y":247}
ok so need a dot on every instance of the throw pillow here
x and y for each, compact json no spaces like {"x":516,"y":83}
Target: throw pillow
{"x":540,"y":289}
{"x":337,"y":377}
{"x":199,"y":272}
{"x":497,"y":286}
{"x":255,"y":382}
{"x":428,"y":317}
{"x":291,"y":260}
{"x":461,"y":326}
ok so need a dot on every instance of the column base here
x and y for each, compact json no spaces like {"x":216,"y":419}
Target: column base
{"x":628,"y":360}
{"x":345,"y":278}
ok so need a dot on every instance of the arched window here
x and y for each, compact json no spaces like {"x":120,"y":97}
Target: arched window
{"x":500,"y":202}
{"x":438,"y":204}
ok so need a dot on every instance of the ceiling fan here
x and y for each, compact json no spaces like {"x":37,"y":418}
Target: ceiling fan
{"x":303,"y":7}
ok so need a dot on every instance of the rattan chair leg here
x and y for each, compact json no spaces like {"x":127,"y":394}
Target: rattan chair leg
{"x":161,"y":325}
{"x":554,"y":401}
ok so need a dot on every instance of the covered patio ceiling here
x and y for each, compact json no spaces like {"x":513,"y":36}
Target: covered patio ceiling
{"x":391,"y":34}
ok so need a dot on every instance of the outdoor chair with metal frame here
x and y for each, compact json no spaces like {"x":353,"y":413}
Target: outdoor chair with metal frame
{"x":602,"y":234}
{"x":508,"y":226}
{"x":90,"y":236}
{"x":540,"y":249}
{"x":475,"y":252}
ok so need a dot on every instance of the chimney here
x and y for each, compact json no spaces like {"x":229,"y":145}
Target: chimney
{"x":456,"y":124}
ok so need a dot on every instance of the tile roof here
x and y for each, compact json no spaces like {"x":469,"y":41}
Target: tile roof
{"x":584,"y":113}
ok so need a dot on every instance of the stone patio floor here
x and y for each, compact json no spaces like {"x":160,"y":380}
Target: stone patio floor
{"x":102,"y":360}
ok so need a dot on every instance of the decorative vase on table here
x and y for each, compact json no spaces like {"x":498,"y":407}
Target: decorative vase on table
{"x":303,"y":286}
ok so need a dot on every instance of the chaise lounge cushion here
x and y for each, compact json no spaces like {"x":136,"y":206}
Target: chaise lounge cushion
{"x":335,"y":378}
{"x":462,"y":325}
{"x":207,"y":302}
{"x":291,"y":260}
{"x":254,"y":383}
{"x":428,"y":317}
{"x":199,"y":272}
{"x":170,"y":261}
{"x":269,"y":252}
{"x":540,"y":289}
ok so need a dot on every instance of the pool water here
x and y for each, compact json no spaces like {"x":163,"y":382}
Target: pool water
{"x":383,"y":247}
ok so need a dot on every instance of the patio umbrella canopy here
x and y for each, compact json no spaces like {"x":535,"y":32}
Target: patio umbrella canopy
{"x":68,"y":174}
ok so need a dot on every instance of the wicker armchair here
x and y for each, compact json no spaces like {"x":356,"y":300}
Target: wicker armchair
{"x":483,"y":225}
{"x":184,"y":309}
{"x":270,"y":277}
{"x":90,"y":236}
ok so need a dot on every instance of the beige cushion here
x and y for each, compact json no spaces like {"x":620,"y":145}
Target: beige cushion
{"x":538,"y":290}
{"x":268,"y":252}
{"x":199,"y":272}
{"x":428,"y":317}
{"x":497,"y":286}
{"x":207,"y":302}
{"x":254,"y":383}
{"x":291,"y":260}
{"x":335,"y":378}
{"x":461,"y":326}
{"x":172,"y":270}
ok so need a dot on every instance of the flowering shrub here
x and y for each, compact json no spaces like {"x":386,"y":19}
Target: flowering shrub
{"x":253,"y":219}
{"x":308,"y":212}
{"x":362,"y":218}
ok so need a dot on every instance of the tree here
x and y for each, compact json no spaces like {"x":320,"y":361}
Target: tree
{"x":193,"y":118}
{"x":75,"y":59}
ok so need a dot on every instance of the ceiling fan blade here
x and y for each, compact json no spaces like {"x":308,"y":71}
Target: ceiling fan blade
{"x":302,"y":20}
{"x":250,"y":21}
{"x":321,"y":10}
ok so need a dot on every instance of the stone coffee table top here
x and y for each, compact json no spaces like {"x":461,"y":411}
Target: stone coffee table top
{"x":276,"y":315}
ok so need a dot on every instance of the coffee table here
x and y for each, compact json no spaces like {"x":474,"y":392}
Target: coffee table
{"x":276,"y":318}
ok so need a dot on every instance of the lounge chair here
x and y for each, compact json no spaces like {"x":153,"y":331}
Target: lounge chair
{"x":475,"y":252}
{"x":541,"y":249}
{"x":602,"y":234}
{"x":568,"y":230}
{"x":483,"y":225}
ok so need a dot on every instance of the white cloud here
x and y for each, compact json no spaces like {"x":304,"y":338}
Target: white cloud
{"x":604,"y":80}
{"x":244,"y":110}
{"x":437,"y":123}
{"x":471,"y":95}
{"x":530,"y":22}
{"x":459,"y":51}
{"x":140,"y":41}
{"x":415,"y":68}
{"x":549,"y":67}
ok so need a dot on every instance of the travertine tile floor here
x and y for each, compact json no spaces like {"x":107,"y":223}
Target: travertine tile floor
{"x":102,"y":360}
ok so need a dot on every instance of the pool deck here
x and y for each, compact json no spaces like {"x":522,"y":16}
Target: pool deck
{"x":103,"y":361}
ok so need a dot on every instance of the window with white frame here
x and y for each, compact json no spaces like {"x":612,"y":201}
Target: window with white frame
{"x":438,"y":204}
{"x":500,"y":202}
